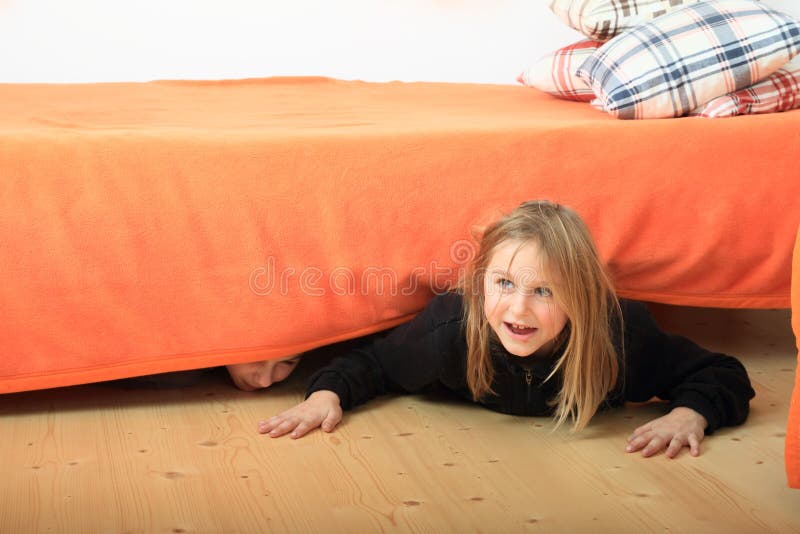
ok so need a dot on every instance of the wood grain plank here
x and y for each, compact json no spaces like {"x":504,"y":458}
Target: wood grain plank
{"x":161,"y":456}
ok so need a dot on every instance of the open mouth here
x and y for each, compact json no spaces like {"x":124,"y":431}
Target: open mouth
{"x":520,"y":329}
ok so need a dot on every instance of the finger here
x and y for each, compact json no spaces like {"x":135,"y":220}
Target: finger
{"x":640,"y":434}
{"x":331,"y":420}
{"x":694,"y":445}
{"x":635,"y":443}
{"x":303,"y":428}
{"x":266,"y":425}
{"x":656,"y":444}
{"x":640,"y":430}
{"x":675,"y":446}
{"x":283,"y":428}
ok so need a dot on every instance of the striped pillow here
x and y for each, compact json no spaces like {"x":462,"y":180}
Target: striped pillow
{"x":680,"y":61}
{"x":603,"y":19}
{"x":779,"y":92}
{"x":555,"y":72}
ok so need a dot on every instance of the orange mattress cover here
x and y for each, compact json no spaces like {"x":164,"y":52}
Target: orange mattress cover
{"x":151,"y":227}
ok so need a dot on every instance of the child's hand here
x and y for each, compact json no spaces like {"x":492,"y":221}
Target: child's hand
{"x":679,"y":428}
{"x":321,"y":408}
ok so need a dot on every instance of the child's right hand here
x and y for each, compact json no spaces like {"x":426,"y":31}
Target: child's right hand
{"x":321,"y":408}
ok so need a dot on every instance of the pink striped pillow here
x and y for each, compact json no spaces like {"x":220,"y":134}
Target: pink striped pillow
{"x":778,"y":92}
{"x":555,"y":72}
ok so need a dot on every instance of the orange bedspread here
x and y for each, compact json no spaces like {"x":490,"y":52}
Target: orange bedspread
{"x":792,"y":445}
{"x":150,"y":227}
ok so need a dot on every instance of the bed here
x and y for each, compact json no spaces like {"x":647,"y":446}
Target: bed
{"x":159,"y":226}
{"x":169,"y":225}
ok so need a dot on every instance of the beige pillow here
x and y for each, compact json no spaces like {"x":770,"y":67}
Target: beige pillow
{"x":603,"y":19}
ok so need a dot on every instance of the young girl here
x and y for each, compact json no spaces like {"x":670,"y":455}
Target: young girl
{"x":537,"y":330}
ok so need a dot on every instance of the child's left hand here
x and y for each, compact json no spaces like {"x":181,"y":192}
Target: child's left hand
{"x":679,"y":428}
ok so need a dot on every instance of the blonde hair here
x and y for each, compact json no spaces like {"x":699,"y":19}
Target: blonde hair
{"x":589,"y":364}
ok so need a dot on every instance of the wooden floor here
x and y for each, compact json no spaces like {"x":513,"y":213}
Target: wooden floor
{"x":182,"y":455}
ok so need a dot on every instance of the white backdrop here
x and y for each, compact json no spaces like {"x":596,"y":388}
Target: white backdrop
{"x":487,"y":41}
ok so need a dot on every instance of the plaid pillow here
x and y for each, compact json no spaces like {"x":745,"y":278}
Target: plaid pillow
{"x":603,"y":19}
{"x":668,"y":67}
{"x":555,"y":73}
{"x":779,"y":92}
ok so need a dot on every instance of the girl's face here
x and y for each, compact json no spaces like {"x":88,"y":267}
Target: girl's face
{"x":519,"y":303}
{"x":260,"y":375}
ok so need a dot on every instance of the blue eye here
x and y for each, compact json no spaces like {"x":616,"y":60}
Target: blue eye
{"x":543,"y":292}
{"x":505,"y":283}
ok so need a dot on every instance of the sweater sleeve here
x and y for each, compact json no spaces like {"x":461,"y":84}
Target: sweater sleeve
{"x":408,"y":358}
{"x":675,"y":369}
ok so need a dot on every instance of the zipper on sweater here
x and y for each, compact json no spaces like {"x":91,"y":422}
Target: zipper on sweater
{"x":528,"y":380}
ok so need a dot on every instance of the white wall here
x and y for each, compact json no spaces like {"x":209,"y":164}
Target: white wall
{"x":377,"y":40}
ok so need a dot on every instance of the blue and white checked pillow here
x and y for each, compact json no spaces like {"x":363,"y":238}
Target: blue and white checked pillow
{"x":668,"y":67}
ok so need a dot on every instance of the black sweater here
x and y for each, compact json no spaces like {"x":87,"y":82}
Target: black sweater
{"x":431,"y":350}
